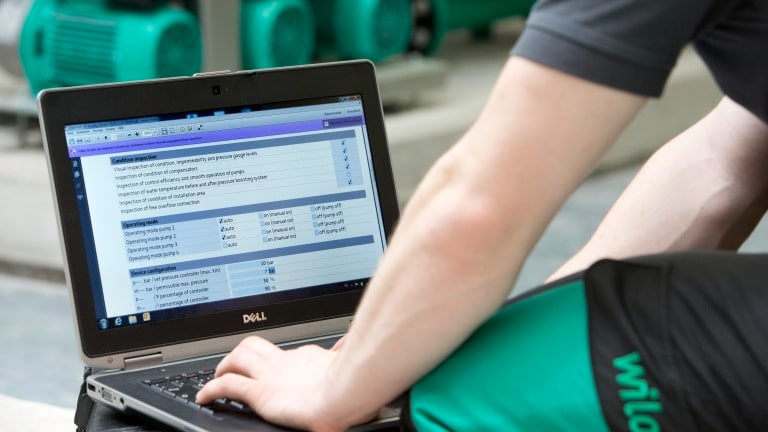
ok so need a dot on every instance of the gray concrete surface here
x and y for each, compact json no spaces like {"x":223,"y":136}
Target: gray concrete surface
{"x":40,"y":361}
{"x":29,"y":416}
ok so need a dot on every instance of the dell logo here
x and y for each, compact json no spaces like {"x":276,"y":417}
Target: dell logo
{"x":254,"y":317}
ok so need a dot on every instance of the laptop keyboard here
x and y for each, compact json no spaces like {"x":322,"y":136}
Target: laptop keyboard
{"x":184,"y":388}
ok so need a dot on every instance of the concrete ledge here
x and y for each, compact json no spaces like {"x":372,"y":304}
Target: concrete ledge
{"x":21,"y":415}
{"x":29,"y":240}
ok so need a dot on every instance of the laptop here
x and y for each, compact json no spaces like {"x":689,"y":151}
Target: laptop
{"x":196,"y":211}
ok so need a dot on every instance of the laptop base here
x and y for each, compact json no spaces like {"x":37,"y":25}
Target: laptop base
{"x":91,"y":416}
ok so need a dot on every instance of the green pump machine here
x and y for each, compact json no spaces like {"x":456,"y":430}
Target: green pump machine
{"x":276,"y":33}
{"x":73,"y":42}
{"x":370,"y":29}
{"x":290,"y":32}
{"x":433,"y":19}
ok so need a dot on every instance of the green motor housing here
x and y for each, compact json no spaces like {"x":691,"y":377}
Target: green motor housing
{"x":276,"y":33}
{"x":71,"y":42}
{"x":362,"y":29}
{"x":435,"y":18}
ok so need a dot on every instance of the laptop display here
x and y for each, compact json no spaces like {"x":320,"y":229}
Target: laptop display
{"x":193,"y":213}
{"x":205,"y":208}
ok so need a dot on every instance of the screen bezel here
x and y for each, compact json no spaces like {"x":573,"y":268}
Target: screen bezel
{"x":61,"y":107}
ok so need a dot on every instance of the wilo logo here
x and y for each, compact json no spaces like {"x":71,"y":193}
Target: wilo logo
{"x":254,"y":317}
{"x":641,"y":402}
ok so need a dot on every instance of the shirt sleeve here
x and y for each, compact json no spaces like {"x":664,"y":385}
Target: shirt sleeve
{"x":631,"y":45}
{"x":733,"y":48}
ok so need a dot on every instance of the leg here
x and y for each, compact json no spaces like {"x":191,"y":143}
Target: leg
{"x":673,"y":342}
{"x":526,"y":369}
{"x":678,"y":341}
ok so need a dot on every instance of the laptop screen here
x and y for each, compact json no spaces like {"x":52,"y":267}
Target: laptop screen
{"x":201,"y":212}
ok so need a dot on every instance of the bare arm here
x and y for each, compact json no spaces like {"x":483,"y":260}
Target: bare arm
{"x":705,"y":189}
{"x":459,"y":245}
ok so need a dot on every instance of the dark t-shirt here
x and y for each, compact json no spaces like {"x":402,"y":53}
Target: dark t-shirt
{"x":634,"y":44}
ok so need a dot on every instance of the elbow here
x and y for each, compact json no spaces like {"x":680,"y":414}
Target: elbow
{"x":474,"y":225}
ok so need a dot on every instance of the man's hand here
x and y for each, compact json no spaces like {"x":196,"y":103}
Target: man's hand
{"x":283,"y":386}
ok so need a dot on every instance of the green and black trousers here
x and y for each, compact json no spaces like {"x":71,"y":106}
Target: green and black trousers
{"x":660,"y":343}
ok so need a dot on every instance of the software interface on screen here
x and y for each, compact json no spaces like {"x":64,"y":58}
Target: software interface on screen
{"x":203,"y":212}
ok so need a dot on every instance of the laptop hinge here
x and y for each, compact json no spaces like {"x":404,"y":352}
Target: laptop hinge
{"x":143,"y":361}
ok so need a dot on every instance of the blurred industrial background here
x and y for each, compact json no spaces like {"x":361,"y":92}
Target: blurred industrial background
{"x":436,"y":62}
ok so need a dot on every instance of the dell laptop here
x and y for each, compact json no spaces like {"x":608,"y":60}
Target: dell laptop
{"x":196,"y":211}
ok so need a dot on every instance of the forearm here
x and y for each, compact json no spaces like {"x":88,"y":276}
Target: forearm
{"x":705,"y":189}
{"x":469,"y":227}
{"x":444,"y":272}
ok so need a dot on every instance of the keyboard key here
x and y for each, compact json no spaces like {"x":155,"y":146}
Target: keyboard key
{"x":184,"y":388}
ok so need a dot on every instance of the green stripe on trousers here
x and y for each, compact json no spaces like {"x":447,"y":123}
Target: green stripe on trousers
{"x":527,"y":368}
